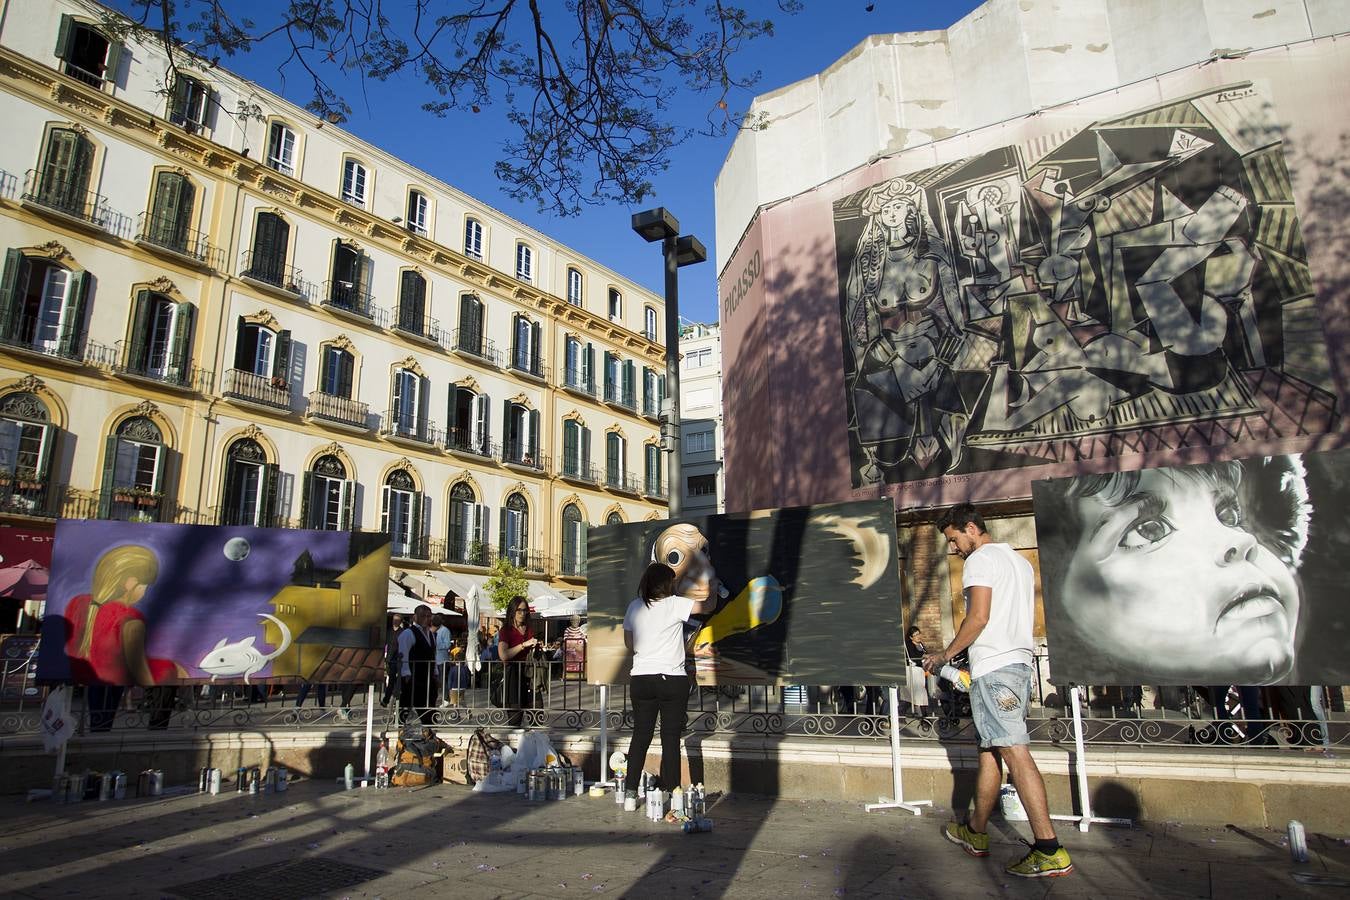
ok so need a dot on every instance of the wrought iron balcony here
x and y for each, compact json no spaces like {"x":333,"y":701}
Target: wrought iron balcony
{"x":170,"y":234}
{"x":650,"y":407}
{"x":473,"y":343}
{"x":527,"y":364}
{"x":44,"y":336}
{"x":9,"y":185}
{"x":343,"y":296}
{"x":655,"y":488}
{"x":417,"y":549}
{"x":571,"y":567}
{"x":515,"y":453}
{"x":621,"y":481}
{"x":457,"y":552}
{"x":616,"y":395}
{"x":133,"y":504}
{"x":577,"y":470}
{"x":399,"y":426}
{"x":468,"y":440}
{"x":267,"y":270}
{"x":574,"y":380}
{"x":341,"y":410}
{"x":28,"y":493}
{"x":262,"y":390}
{"x":423,"y":327}
{"x":173,"y":369}
{"x":246,"y":514}
{"x":69,"y":198}
{"x":529,"y":560}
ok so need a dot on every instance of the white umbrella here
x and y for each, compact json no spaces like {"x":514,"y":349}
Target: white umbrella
{"x":471,"y":651}
{"x":565,"y":609}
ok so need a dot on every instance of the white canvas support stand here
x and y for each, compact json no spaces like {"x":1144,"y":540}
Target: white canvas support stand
{"x":897,"y":800}
{"x":1085,"y":819}
{"x":604,"y":733}
{"x":370,"y":730}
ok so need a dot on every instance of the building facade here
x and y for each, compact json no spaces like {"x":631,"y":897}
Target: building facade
{"x":217,"y":309}
{"x":701,"y":418}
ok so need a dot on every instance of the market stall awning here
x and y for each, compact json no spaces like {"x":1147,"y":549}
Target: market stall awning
{"x":458,"y":582}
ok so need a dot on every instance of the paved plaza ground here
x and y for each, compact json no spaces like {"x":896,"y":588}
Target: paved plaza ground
{"x":445,"y":840}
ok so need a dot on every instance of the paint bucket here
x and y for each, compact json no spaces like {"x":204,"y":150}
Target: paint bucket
{"x":119,"y":785}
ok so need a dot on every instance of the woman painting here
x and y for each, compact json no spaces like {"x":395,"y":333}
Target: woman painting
{"x":106,"y":642}
{"x":653,"y":629}
{"x":515,"y":642}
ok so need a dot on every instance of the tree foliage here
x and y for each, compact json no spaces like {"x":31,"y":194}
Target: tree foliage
{"x":506,"y":581}
{"x":588,"y":84}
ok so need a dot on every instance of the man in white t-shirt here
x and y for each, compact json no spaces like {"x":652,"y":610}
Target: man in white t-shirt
{"x":1000,"y":596}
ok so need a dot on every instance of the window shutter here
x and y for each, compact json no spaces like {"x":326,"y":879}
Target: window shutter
{"x":612,"y":455}
{"x":267,"y":510}
{"x":608,"y":374}
{"x":515,"y":338}
{"x":570,"y":448}
{"x":534,"y":437}
{"x":161,"y":461}
{"x":306,"y":503}
{"x":281,"y":360}
{"x":384,"y":510}
{"x":345,"y":365}
{"x":583,"y":530}
{"x":348,"y":502}
{"x":72,"y":317}
{"x":137,"y":346}
{"x":585,"y":451}
{"x":423,"y":407}
{"x":536,"y":334}
{"x":165,"y":209}
{"x":180,"y":365}
{"x":481,"y":410}
{"x":417,"y":519}
{"x":110,"y":447}
{"x":178,"y":101}
{"x":243,"y":354}
{"x":480,"y":525}
{"x":629,"y":374}
{"x":501,"y":542}
{"x":63,"y":33}
{"x":590,"y":366}
{"x":113,"y":61}
{"x":16,"y":273}
{"x":507,"y":426}
{"x":398,"y":401}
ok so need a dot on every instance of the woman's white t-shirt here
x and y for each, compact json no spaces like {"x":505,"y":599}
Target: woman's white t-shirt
{"x":658,"y":634}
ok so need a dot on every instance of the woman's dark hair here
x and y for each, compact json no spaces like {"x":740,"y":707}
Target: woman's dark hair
{"x":913,"y":630}
{"x":657,"y":582}
{"x":516,"y":601}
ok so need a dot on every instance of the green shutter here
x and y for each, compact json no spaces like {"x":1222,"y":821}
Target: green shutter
{"x":110,"y":447}
{"x":384,"y":511}
{"x":611,"y":456}
{"x":113,"y":61}
{"x":585,"y":452}
{"x":348,"y":502}
{"x":271,"y":479}
{"x":306,"y":487}
{"x":180,"y":361}
{"x":345,"y":364}
{"x":72,"y":317}
{"x":281,"y":359}
{"x":629,"y":375}
{"x":570,"y":448}
{"x":588,"y":368}
{"x":501,"y":543}
{"x":138,"y":347}
{"x":63,"y":33}
{"x":11,"y":304}
{"x":536,"y":339}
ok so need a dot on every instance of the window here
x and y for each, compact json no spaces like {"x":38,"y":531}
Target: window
{"x":160,"y":343}
{"x":349,"y":288}
{"x":327,"y":496}
{"x":170,"y":219}
{"x":701,"y":485}
{"x":614,"y":459}
{"x":614,"y":518}
{"x":525,"y":345}
{"x":649,"y":323}
{"x":260,"y":352}
{"x":336,"y":367}
{"x":654,"y":484}
{"x":521,"y":437}
{"x":64,"y":174}
{"x":407,"y":415}
{"x":250,"y":486}
{"x":473,"y":238}
{"x":620,"y":376}
{"x":576,"y":450}
{"x":26,"y":439}
{"x":697,"y":359}
{"x":573,"y":541}
{"x":469,"y":426}
{"x":42,"y":306}
{"x":86,"y":54}
{"x":412,"y":303}
{"x":188,"y":103}
{"x":133,"y":465}
{"x":354,"y":183}
{"x":574,"y":286}
{"x":615,"y":305}
{"x":418,"y":213}
{"x":402,"y":515}
{"x":469,"y":337}
{"x":579,"y":365}
{"x":653,"y":392}
{"x":281,"y":148}
{"x":524,"y":262}
{"x":267,"y":260}
{"x":515,"y":529}
{"x":699,"y":442}
{"x":468,"y":522}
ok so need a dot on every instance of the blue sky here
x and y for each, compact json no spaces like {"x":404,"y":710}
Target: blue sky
{"x":461,"y":148}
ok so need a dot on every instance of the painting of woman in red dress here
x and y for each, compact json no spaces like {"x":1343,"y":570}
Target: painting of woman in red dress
{"x":106,"y":632}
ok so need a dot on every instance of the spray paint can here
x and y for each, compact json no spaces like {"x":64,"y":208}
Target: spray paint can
{"x":564,"y":780}
{"x":254,"y":780}
{"x":677,"y":801}
{"x":105,"y":786}
{"x":201,"y":779}
{"x":75,"y":788}
{"x":642,"y":785}
{"x":578,"y":782}
{"x":119,"y":785}
{"x":697,"y":826}
{"x":143,"y":784}
{"x":156,"y":782}
{"x":348,"y":776}
{"x":241,"y":779}
{"x":270,"y":783}
{"x":702,"y":798}
{"x":213,"y":781}
{"x":1298,"y":841}
{"x":532,"y":785}
{"x":658,"y":803}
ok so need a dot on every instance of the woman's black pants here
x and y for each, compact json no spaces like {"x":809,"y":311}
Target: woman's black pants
{"x":666,"y":696}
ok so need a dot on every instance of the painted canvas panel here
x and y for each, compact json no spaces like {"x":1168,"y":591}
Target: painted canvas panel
{"x":806,"y":595}
{"x":1213,"y":574}
{"x":142,"y":604}
{"x":1136,"y":285}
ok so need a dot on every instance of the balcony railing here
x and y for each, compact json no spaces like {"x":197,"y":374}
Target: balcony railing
{"x":420,"y":326}
{"x":31,"y":494}
{"x":402,"y":427}
{"x":527,"y":364}
{"x":615,"y":394}
{"x":473,"y":343}
{"x":248,"y":515}
{"x":9,"y":185}
{"x":169,"y":233}
{"x":568,"y":567}
{"x":131,"y":504}
{"x":171,"y":371}
{"x":574,"y":380}
{"x":33,"y":334}
{"x":418,"y":548}
{"x":93,"y":79}
{"x":341,"y":410}
{"x":621,"y":481}
{"x":576,"y":470}
{"x":266,"y":269}
{"x":515,"y":453}
{"x":456,"y":552}
{"x":65,"y":196}
{"x":264,"y":390}
{"x":650,"y":407}
{"x":654,"y":487}
{"x":468,"y":440}
{"x":529,"y":560}
{"x":349,"y":298}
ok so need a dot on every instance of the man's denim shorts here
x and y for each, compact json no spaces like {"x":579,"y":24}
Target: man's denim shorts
{"x":998,"y":704}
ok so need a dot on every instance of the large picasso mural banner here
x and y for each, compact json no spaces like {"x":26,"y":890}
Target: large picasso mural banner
{"x":1229,"y":572}
{"x":1137,"y":285}
{"x":141,"y":604}
{"x":804,"y":595}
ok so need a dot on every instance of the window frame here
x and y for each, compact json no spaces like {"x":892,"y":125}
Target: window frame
{"x":278,"y":163}
{"x":473,"y":238}
{"x":421,"y":222}
{"x":355,"y":182}
{"x":576,"y":286}
{"x":614,"y":305}
{"x":524,"y":262}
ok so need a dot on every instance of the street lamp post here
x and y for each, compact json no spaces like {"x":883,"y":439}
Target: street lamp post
{"x":678,"y":250}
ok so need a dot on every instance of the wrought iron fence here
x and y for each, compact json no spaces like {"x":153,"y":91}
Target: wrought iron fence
{"x":67,"y":196}
{"x":172,"y":233}
{"x":401,"y":425}
{"x":518,"y":453}
{"x":342,"y":410}
{"x":411,"y":322}
{"x":472,"y":441}
{"x":471,"y":341}
{"x":273,"y":391}
{"x":574,"y":379}
{"x":615,"y":394}
{"x":271,"y":269}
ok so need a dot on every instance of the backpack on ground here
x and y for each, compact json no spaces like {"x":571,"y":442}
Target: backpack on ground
{"x":479,"y":752}
{"x":415,"y":761}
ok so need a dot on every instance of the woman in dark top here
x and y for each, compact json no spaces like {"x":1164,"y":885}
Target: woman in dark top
{"x":515,"y":643}
{"x":916,"y":682}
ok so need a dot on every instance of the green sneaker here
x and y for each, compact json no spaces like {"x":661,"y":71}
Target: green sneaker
{"x":975,"y":844}
{"x":1042,"y":865}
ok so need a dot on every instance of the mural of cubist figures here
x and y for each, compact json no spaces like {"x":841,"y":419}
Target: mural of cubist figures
{"x":1221,"y":573}
{"x":1137,"y":285}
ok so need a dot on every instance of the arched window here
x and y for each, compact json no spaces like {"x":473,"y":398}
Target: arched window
{"x":63,"y":176}
{"x":574,"y":286}
{"x":403,"y":512}
{"x":473,"y":238}
{"x":649,"y":323}
{"x":354,"y":182}
{"x":133,"y":472}
{"x":573,"y":541}
{"x":42,"y":306}
{"x":655,"y":485}
{"x":408,"y":414}
{"x":412,"y":303}
{"x":349,"y":287}
{"x":87,"y":53}
{"x":614,"y":518}
{"x":328,"y":495}
{"x":616,"y":467}
{"x":249,"y":495}
{"x":515,"y":530}
{"x":468,"y":521}
{"x":27,"y":436}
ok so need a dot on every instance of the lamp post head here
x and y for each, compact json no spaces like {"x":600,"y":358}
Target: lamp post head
{"x":656,"y":224}
{"x":689,"y":250}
